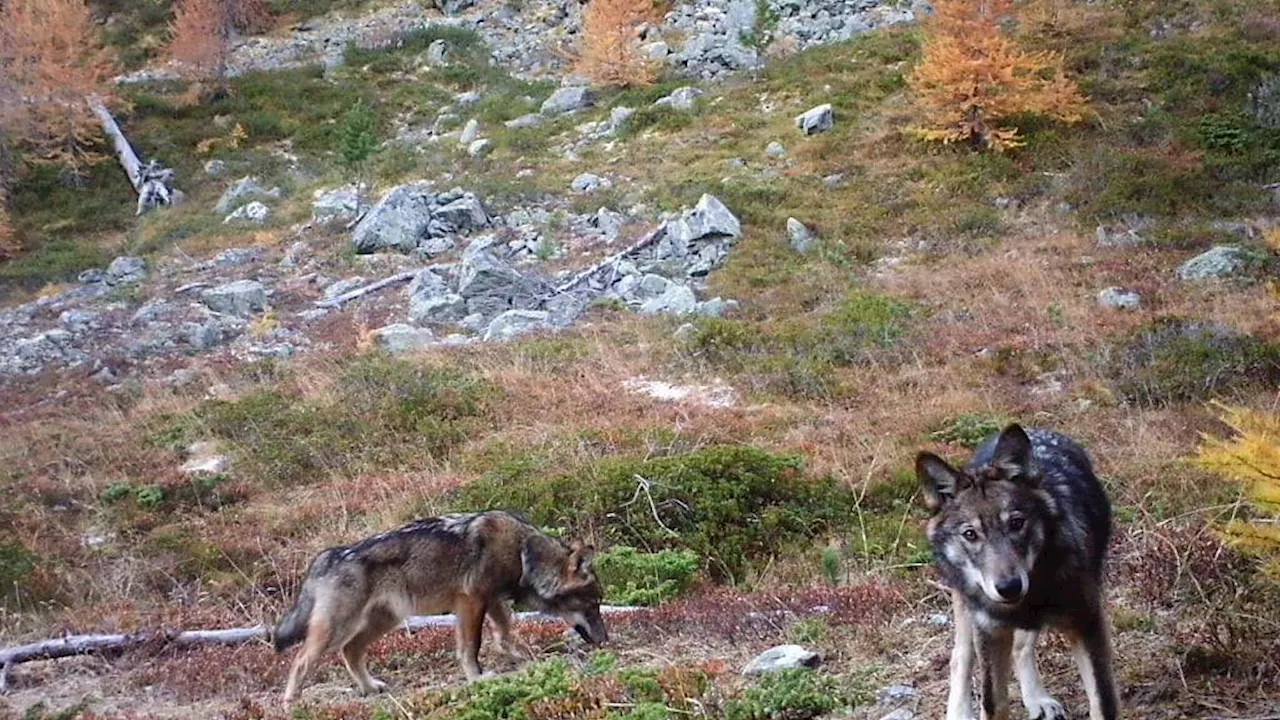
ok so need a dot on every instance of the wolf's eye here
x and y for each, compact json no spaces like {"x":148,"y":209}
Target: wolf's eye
{"x":970,"y":535}
{"x":1016,"y":524}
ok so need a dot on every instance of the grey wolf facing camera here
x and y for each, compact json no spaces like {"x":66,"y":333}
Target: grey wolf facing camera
{"x":1019,"y":535}
{"x":468,"y":564}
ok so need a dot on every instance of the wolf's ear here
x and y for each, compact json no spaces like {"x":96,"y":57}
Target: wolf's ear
{"x":938,"y":481}
{"x":583,"y":558}
{"x":1013,"y":456}
{"x":541,"y":560}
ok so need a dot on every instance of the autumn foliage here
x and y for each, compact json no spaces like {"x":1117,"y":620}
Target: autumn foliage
{"x":974,"y":78}
{"x":202,"y":31}
{"x":610,"y":54}
{"x":1251,"y":457}
{"x":50,"y":62}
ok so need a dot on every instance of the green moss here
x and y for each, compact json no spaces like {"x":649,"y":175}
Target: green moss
{"x":796,"y":694}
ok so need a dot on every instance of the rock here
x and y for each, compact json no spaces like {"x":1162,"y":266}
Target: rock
{"x":206,"y":465}
{"x":897,"y":694}
{"x":1264,"y":102}
{"x":215,"y":168}
{"x":241,"y":190}
{"x":91,"y":276}
{"x":685,"y":332}
{"x":800,"y":236}
{"x":470,"y":132}
{"x":834,"y":180}
{"x":900,"y":714}
{"x":586,"y":182}
{"x":490,"y":286}
{"x":241,"y":298}
{"x":253,"y":213}
{"x":400,"y":338}
{"x":816,"y":120}
{"x":480,"y":147}
{"x":568,"y":99}
{"x":677,"y":299}
{"x":342,"y":204}
{"x":782,"y":657}
{"x":397,"y":221}
{"x":1114,"y":298}
{"x":76,"y":320}
{"x":607,"y":223}
{"x":684,"y":99}
{"x":716,"y":307}
{"x":564,"y":310}
{"x":430,"y":300}
{"x":708,"y":218}
{"x":463,"y":214}
{"x":1219,"y":262}
{"x":342,"y":286}
{"x":938,"y":620}
{"x":125,"y":270}
{"x":657,"y":50}
{"x":618,"y":118}
{"x":525,"y":121}
{"x":775,"y":150}
{"x":452,"y":7}
{"x":295,"y":255}
{"x":1117,"y":237}
{"x":514,"y":323}
{"x":438,"y":53}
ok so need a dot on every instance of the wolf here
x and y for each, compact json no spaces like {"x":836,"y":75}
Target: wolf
{"x":468,"y":564}
{"x":1020,"y":536}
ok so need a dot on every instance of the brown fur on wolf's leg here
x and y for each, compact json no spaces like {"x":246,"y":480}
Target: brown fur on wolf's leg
{"x":319,"y":633}
{"x":470,"y":631}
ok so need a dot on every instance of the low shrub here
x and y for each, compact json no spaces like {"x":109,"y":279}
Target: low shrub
{"x":631,"y":577}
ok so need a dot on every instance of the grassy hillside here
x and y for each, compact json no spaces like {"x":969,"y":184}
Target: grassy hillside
{"x":950,"y":292}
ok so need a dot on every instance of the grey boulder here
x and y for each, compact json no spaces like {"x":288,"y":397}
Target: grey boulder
{"x":241,"y":298}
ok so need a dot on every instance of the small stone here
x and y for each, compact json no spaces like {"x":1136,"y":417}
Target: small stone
{"x":587,"y":182}
{"x":480,"y":147}
{"x":1219,"y":262}
{"x":716,"y":307}
{"x":817,"y":120}
{"x":215,"y":168}
{"x":470,"y":132}
{"x":206,"y":465}
{"x":340,"y":204}
{"x":91,"y":276}
{"x":438,"y":53}
{"x":775,"y":150}
{"x":254,"y":213}
{"x":685,"y":332}
{"x":938,"y":620}
{"x":782,"y":657}
{"x":900,"y":714}
{"x":800,"y":236}
{"x":470,"y":97}
{"x":656,"y":50}
{"x":654,"y":284}
{"x":525,"y":121}
{"x":833,"y":181}
{"x":1115,"y":298}
{"x":401,"y":338}
{"x":897,"y":694}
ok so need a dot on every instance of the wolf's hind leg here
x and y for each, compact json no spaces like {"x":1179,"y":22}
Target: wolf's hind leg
{"x":377,"y":622}
{"x":319,"y":636}
{"x":1039,"y":704}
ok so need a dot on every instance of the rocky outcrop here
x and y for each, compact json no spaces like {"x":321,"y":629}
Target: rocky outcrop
{"x":410,"y":216}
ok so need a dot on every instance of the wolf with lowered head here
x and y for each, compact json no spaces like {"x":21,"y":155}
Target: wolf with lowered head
{"x":1019,"y":535}
{"x":468,"y":564}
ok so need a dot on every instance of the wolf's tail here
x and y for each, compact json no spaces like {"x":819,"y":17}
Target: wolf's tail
{"x":293,"y":627}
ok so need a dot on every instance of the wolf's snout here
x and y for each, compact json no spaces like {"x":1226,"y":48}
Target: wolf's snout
{"x":1010,"y":589}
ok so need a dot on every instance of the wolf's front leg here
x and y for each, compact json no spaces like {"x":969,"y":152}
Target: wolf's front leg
{"x":960,"y":695}
{"x":1039,"y":703}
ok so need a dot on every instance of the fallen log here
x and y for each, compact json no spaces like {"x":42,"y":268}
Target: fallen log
{"x":73,"y":645}
{"x":151,"y":181}
{"x":345,"y":297}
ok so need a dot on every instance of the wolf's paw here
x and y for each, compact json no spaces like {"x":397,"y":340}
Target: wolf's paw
{"x":1044,"y":708}
{"x":375,"y":686}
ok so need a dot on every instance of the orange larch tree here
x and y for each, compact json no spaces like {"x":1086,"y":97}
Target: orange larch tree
{"x":51,"y":62}
{"x":610,"y":53}
{"x":202,"y":31}
{"x":974,"y":78}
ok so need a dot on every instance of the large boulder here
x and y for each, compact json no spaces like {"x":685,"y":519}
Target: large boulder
{"x":568,"y":99}
{"x":514,"y":323}
{"x":676,"y":299}
{"x":490,"y":286}
{"x":462,"y":214}
{"x":339,"y":204}
{"x":816,"y":120}
{"x":708,"y":219}
{"x":125,"y":270}
{"x":431,"y":300}
{"x":241,"y":298}
{"x":1218,"y":262}
{"x":401,"y":338}
{"x":398,"y":221}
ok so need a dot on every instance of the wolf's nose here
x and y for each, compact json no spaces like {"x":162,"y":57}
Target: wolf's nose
{"x":1010,"y":589}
